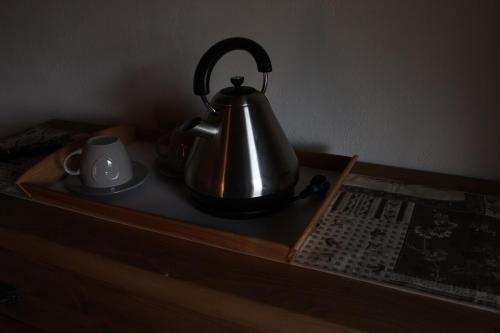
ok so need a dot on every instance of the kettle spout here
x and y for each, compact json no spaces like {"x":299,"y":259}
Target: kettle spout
{"x":199,"y":127}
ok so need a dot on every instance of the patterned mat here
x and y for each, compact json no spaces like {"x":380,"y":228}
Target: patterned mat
{"x":441,"y":242}
{"x":20,"y":151}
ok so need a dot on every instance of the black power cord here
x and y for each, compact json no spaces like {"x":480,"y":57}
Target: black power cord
{"x":317,"y":185}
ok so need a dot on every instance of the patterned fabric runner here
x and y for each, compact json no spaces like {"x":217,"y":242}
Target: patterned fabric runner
{"x":441,"y":242}
{"x":20,"y":151}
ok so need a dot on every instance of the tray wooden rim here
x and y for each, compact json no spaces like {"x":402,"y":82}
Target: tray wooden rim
{"x":34,"y":181}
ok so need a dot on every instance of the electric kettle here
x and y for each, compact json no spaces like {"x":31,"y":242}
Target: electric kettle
{"x":241,"y":162}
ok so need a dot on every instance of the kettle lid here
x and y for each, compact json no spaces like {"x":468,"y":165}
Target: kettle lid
{"x":237,"y":89}
{"x":204,"y":69}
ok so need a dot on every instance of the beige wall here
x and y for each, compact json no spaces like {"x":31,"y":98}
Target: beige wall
{"x":406,"y":83}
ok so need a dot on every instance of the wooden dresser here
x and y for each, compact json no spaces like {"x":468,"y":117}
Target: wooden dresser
{"x":64,"y":272}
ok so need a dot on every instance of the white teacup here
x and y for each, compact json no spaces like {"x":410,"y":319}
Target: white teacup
{"x":104,"y":162}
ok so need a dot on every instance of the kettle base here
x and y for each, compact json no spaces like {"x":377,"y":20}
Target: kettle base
{"x":243,"y":208}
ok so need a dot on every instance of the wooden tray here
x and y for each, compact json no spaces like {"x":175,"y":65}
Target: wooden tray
{"x":277,"y":236}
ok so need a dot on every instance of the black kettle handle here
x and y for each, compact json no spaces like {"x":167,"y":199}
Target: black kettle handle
{"x":217,"y":51}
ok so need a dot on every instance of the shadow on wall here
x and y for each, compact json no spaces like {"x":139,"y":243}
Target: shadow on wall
{"x":149,"y":96}
{"x":316,"y":147}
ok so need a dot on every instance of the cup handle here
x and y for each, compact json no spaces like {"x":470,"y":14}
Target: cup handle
{"x":65,"y":163}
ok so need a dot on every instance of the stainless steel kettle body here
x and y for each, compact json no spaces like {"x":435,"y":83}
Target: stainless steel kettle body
{"x":241,"y":161}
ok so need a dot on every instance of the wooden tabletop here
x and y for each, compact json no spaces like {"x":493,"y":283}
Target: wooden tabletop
{"x":302,"y":297}
{"x":26,"y":226}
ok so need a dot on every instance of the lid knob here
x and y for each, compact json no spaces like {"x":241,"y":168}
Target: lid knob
{"x":237,"y":81}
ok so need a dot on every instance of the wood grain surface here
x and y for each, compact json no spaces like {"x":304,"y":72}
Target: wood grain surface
{"x":427,"y":178}
{"x":326,"y":297}
{"x":9,"y":325}
{"x":193,"y":302}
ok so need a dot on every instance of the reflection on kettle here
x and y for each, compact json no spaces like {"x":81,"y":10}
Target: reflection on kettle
{"x":172,"y":150}
{"x":241,"y":161}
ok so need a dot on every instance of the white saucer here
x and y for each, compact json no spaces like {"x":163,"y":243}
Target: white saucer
{"x":75,"y":185}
